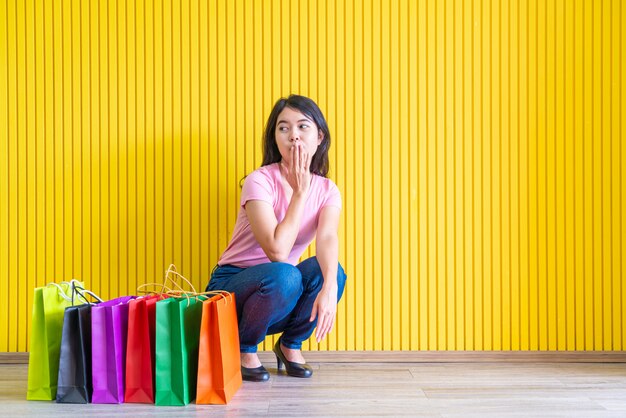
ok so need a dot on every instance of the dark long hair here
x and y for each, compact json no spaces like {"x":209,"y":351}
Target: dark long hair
{"x":306,"y":106}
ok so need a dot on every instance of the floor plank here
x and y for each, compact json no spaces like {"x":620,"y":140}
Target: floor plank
{"x":382,"y":389}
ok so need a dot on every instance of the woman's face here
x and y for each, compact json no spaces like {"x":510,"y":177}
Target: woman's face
{"x":295,"y":129}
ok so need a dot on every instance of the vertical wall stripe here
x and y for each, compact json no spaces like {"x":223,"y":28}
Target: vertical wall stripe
{"x":4,"y":179}
{"x":478,"y":145}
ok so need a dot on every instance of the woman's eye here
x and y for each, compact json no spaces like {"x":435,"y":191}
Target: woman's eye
{"x":304,"y":126}
{"x":282,"y":129}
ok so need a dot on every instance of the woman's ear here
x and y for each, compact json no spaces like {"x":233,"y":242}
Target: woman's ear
{"x":320,"y":138}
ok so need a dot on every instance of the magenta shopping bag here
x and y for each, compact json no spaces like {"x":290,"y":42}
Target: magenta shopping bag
{"x":109,"y":328}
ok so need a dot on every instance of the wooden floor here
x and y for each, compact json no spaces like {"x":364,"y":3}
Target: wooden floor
{"x":382,"y":389}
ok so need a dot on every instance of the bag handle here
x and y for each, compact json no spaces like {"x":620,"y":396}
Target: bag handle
{"x":81,"y":291}
{"x":72,"y":286}
{"x":180,"y":294}
{"x":178,"y":291}
{"x":172,"y":269}
{"x":163,"y":287}
{"x":60,"y":290}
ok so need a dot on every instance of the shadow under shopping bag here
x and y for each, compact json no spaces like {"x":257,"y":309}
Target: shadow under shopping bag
{"x":219,"y":364}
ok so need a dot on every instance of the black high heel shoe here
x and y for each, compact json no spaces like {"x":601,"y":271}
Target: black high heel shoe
{"x":255,"y":374}
{"x":293,"y":369}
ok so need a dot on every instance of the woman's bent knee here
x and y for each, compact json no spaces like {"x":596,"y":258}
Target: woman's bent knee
{"x":283,"y":277}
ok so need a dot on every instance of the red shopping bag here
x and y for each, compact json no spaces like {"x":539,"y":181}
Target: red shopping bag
{"x":140,"y":350}
{"x":219,"y":366}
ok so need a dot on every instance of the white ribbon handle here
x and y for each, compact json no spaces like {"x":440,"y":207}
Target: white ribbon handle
{"x":75,"y":288}
{"x":60,"y":290}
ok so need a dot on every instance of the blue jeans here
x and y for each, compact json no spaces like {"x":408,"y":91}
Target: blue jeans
{"x":273,"y":298}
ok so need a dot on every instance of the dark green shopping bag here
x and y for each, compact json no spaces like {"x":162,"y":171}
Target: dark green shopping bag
{"x":176,"y":352}
{"x":49,"y":304}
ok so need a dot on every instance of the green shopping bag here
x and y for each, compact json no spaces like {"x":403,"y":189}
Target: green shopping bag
{"x":176,"y":349}
{"x":49,"y":305}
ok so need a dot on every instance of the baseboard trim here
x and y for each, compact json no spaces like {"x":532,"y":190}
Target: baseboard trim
{"x":470,"y":356}
{"x":427,"y":357}
{"x":13,"y":358}
{"x":460,"y":356}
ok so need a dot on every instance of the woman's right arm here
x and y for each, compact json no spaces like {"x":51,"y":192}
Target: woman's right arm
{"x":275,"y":238}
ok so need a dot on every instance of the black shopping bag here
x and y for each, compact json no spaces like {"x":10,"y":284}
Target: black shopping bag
{"x":74,"y":382}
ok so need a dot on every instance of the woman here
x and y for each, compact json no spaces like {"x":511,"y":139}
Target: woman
{"x":284,"y":205}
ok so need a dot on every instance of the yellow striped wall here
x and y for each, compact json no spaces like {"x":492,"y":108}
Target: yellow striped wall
{"x":478,"y":145}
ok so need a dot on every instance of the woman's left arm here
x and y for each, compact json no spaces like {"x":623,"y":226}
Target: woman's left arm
{"x":327,"y":252}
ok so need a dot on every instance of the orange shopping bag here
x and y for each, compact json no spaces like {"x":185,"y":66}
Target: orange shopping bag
{"x":219,"y":365}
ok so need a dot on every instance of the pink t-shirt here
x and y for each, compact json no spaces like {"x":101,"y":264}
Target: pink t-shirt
{"x":265,"y":184}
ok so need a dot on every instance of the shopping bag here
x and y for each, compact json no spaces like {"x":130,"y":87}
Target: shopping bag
{"x":74,"y":379}
{"x":176,"y":349}
{"x":140,"y":349}
{"x":49,"y":305}
{"x":109,"y":323}
{"x":219,"y":365}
